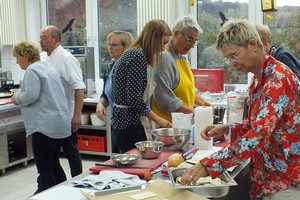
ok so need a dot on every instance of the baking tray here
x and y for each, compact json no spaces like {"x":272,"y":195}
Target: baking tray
{"x":207,"y":190}
{"x":4,"y":94}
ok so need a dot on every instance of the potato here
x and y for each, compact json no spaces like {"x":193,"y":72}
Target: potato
{"x":203,"y":180}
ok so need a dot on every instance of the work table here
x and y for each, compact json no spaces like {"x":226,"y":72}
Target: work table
{"x":239,"y":174}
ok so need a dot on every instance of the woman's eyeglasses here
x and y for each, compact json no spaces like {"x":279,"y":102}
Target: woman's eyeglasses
{"x":189,"y":40}
{"x":112,"y":45}
{"x":233,"y":57}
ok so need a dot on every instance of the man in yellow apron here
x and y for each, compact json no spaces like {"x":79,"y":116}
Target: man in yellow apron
{"x":175,"y":90}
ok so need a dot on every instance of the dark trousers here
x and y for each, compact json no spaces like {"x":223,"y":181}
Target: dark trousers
{"x":46,"y":153}
{"x":125,"y":139}
{"x":71,"y":152}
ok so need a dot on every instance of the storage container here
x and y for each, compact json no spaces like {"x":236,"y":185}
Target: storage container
{"x":92,"y":143}
{"x":85,"y":118}
{"x":96,"y":121}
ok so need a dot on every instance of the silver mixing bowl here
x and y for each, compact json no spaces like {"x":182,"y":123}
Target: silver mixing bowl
{"x":173,"y":138}
{"x":149,"y":149}
{"x":124,"y":159}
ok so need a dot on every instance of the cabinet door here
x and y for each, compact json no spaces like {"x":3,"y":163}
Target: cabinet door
{"x":3,"y":151}
{"x":12,"y":21}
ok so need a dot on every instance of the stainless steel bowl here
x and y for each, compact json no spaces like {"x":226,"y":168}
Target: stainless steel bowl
{"x":173,"y":138}
{"x":209,"y":190}
{"x":124,"y":159}
{"x":149,"y":149}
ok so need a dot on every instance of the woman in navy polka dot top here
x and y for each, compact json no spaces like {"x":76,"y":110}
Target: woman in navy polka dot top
{"x":132,"y":86}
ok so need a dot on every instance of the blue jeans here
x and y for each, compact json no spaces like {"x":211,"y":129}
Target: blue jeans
{"x":125,"y":139}
{"x":71,"y":152}
{"x":46,"y":153}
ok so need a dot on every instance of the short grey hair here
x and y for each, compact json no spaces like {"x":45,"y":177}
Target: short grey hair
{"x":238,"y":32}
{"x":186,"y":22}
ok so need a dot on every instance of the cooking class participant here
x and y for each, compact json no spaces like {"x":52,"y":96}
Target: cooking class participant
{"x":117,"y":42}
{"x":45,"y":112}
{"x":70,"y":72}
{"x":278,"y":53}
{"x":132,"y":86}
{"x":175,"y":90}
{"x":271,"y":137}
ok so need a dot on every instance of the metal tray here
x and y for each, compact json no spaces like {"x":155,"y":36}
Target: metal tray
{"x":208,"y":190}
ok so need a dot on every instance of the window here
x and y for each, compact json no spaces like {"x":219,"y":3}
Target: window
{"x":115,"y":15}
{"x":70,"y":17}
{"x":285,"y":26}
{"x":210,"y":21}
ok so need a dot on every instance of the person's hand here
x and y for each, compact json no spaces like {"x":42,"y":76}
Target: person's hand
{"x":214,"y":131}
{"x":163,"y":123}
{"x":192,"y":174}
{"x":13,"y":99}
{"x":76,"y":122}
{"x":205,"y":103}
{"x":101,"y":111}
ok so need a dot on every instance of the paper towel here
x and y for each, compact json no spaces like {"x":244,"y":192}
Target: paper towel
{"x":203,"y":117}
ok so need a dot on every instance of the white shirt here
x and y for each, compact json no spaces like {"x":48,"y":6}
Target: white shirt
{"x":70,"y":72}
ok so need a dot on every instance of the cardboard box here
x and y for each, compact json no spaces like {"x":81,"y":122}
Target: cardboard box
{"x":92,"y":143}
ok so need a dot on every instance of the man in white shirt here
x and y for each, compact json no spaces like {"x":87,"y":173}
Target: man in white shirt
{"x":70,"y":72}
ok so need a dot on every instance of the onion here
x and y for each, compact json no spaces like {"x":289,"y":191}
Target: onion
{"x":175,"y":159}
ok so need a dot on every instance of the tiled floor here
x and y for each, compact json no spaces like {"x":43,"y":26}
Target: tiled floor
{"x":19,"y":182}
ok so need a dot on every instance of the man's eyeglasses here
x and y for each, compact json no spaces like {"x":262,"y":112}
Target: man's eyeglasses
{"x":189,"y":40}
{"x":113,"y":45}
{"x":233,"y":57}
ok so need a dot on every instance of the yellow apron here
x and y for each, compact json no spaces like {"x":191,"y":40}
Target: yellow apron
{"x":185,"y":89}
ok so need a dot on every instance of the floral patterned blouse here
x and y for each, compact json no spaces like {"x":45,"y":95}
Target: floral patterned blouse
{"x":272,"y":136}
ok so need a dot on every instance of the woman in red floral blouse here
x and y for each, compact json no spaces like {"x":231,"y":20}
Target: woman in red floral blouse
{"x":271,"y":137}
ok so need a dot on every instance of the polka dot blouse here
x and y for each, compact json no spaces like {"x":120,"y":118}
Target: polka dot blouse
{"x":128,"y":86}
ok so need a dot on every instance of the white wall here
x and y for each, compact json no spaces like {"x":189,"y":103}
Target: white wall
{"x":34,"y":24}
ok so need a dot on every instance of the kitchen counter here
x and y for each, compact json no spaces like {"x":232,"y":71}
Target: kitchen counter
{"x":8,"y":107}
{"x":15,"y":147}
{"x":240,"y":174}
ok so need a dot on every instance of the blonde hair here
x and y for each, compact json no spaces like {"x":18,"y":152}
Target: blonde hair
{"x":150,"y":39}
{"x":264,"y":30}
{"x":27,"y":49}
{"x":238,"y":32}
{"x":125,"y":37}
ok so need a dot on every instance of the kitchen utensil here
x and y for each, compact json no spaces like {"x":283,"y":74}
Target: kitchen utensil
{"x":173,"y":138}
{"x":207,"y":190}
{"x":124,"y":159}
{"x":5,"y":94}
{"x":123,"y":166}
{"x":137,"y":168}
{"x":117,"y":190}
{"x":149,"y":149}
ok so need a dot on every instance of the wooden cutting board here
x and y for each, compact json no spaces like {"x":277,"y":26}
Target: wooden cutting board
{"x":145,"y":163}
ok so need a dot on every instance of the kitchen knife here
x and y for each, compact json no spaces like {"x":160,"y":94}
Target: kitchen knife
{"x":121,"y":166}
{"x":117,"y":190}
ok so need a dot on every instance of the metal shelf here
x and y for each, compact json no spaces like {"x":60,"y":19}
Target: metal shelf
{"x":93,"y":127}
{"x":105,"y":130}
